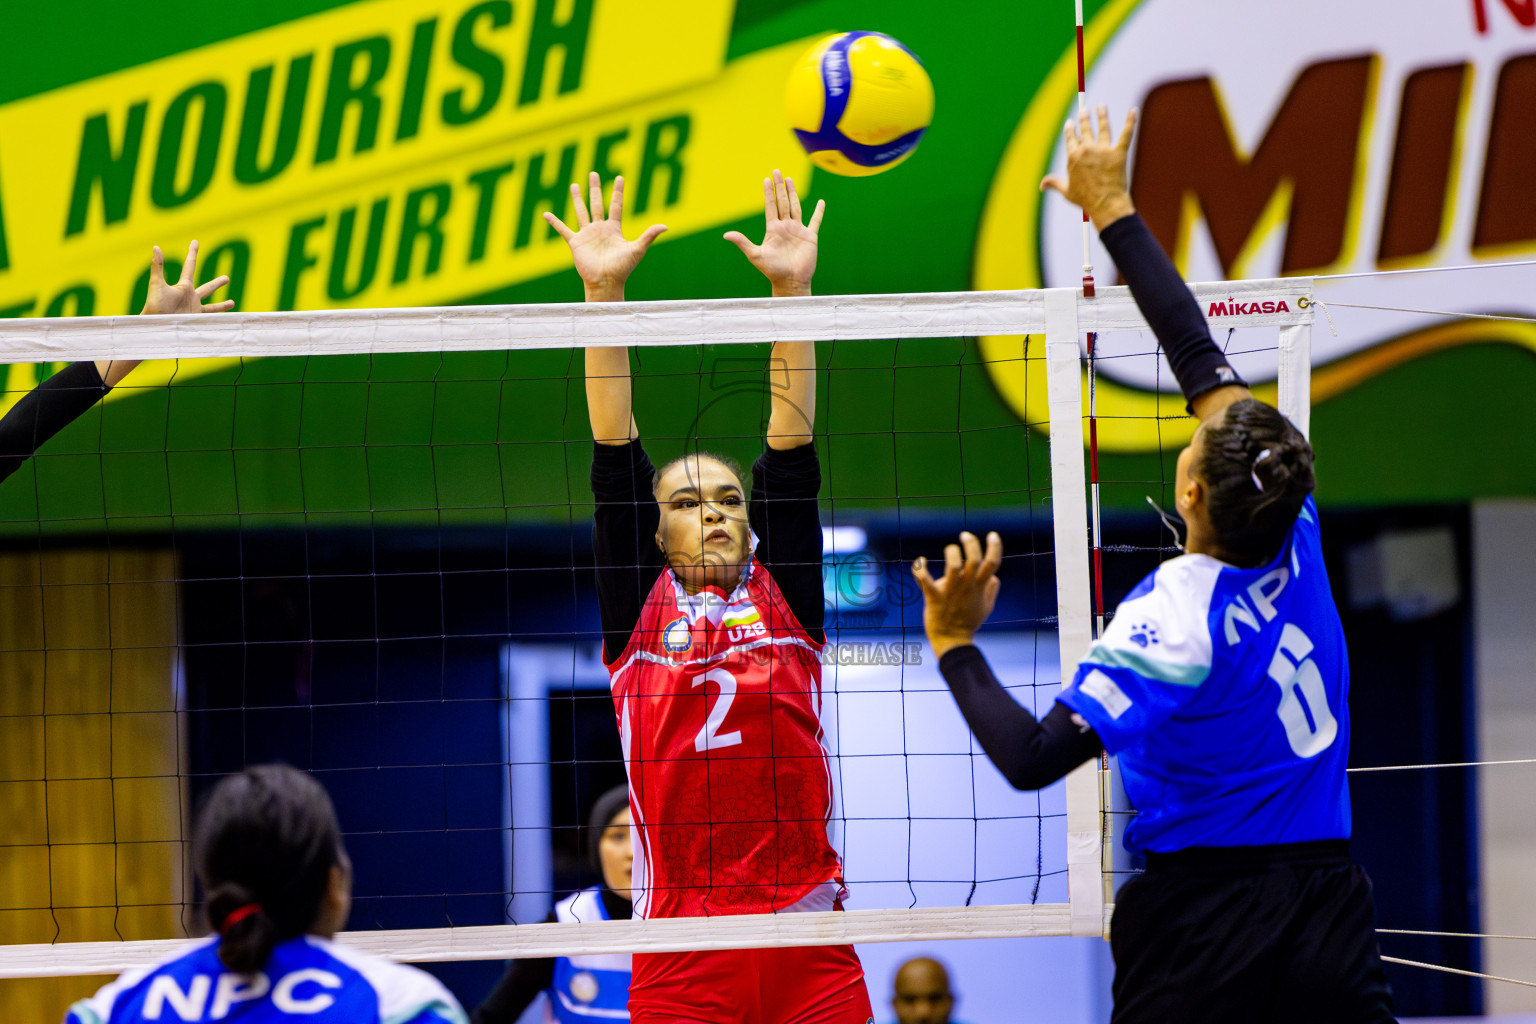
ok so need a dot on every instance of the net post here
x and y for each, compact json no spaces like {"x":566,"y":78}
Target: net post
{"x":1069,"y":514}
{"x":1295,"y":372}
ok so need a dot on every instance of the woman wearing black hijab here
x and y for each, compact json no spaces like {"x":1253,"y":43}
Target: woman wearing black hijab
{"x":580,"y":988}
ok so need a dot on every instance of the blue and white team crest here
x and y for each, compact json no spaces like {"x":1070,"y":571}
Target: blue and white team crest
{"x":1225,"y":693}
{"x":677,"y":638}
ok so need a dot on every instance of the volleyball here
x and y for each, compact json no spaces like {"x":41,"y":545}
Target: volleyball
{"x":859,"y":102}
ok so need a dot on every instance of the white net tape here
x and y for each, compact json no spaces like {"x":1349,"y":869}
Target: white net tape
{"x":578,"y":325}
{"x":502,"y":942}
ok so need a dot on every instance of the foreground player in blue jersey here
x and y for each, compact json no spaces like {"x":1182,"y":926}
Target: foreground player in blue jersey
{"x":1222,"y":683}
{"x":279,"y":885}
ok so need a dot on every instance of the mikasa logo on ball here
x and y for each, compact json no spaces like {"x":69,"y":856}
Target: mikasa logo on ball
{"x":677,"y":638}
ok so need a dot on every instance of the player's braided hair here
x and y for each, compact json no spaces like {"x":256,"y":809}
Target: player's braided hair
{"x":264,"y":846}
{"x":1257,"y":469}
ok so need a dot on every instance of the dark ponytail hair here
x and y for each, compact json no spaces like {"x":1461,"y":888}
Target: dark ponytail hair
{"x":264,"y":846}
{"x":1257,"y":471}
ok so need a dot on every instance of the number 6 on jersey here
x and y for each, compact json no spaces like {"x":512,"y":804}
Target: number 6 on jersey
{"x":1309,"y":723}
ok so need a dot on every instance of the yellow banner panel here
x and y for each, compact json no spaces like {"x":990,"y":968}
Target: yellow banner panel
{"x":249,"y":128}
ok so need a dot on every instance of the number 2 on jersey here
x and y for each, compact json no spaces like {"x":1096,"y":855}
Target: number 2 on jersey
{"x":710,"y":737}
{"x":1309,"y":723}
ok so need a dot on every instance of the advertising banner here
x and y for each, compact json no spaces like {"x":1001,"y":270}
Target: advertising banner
{"x":402,"y":152}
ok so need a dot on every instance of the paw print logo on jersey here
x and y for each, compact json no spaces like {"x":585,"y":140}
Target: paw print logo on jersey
{"x":1143,"y":635}
{"x":677,"y":638}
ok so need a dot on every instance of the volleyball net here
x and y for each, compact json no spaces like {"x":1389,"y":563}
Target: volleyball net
{"x":359,"y":542}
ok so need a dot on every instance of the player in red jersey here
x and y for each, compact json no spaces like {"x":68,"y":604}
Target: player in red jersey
{"x":712,"y":630}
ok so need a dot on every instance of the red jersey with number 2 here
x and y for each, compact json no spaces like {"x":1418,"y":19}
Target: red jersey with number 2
{"x":718,"y":698}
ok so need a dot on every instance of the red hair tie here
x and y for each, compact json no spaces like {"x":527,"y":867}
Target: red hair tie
{"x":237,"y":915}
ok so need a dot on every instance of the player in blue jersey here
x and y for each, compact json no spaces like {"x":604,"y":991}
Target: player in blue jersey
{"x":279,"y":885}
{"x":1222,"y":683}
{"x":591,"y":986}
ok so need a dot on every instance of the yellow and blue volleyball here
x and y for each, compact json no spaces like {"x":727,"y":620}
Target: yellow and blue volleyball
{"x":859,"y":102}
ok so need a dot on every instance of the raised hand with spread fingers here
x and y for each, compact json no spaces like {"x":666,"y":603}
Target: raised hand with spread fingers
{"x":603,"y":256}
{"x":59,"y":400}
{"x":1096,"y":162}
{"x":955,"y":606}
{"x":787,"y":255}
{"x":181,"y":297}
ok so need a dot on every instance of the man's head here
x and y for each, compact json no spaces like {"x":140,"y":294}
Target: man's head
{"x":922,"y":993}
{"x":703,"y":530}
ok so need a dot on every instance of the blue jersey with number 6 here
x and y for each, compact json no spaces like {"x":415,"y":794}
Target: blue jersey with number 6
{"x":1225,"y":692}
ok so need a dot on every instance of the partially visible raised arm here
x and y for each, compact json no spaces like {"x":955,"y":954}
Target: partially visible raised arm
{"x":45,"y":410}
{"x":608,"y":396}
{"x":787,"y":258}
{"x":1096,"y":181}
{"x":604,"y":259}
{"x":792,"y":377}
{"x":61,"y":399}
{"x":181,"y":297}
{"x":1208,"y":381}
{"x":624,"y":522}
{"x":1031,"y":753}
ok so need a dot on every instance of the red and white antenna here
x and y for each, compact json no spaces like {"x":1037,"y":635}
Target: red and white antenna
{"x":1093,"y":418}
{"x":1106,"y":800}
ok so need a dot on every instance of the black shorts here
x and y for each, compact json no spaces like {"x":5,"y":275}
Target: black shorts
{"x":1280,"y":934}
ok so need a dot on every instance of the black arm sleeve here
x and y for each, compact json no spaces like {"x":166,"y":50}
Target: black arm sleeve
{"x":46,"y":410}
{"x":623,"y":539}
{"x":784,"y":515}
{"x":519,"y":987}
{"x":1197,"y":364}
{"x":1030,"y":753}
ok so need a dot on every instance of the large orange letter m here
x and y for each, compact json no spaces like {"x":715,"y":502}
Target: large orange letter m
{"x":1185,"y":151}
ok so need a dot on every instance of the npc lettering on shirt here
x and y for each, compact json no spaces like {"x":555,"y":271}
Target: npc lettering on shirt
{"x":303,"y":992}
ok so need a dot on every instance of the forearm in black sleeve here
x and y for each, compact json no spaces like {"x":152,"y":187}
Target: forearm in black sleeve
{"x":1174,"y":315}
{"x":1031,"y":753}
{"x":46,"y":410}
{"x":784,"y":515}
{"x":623,"y":539}
{"x":518,"y":988}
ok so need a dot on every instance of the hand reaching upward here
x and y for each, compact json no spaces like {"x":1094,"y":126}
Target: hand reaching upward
{"x":1096,"y":168}
{"x":787,"y":256}
{"x":603,"y":257}
{"x":182,"y":297}
{"x":955,"y":606}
